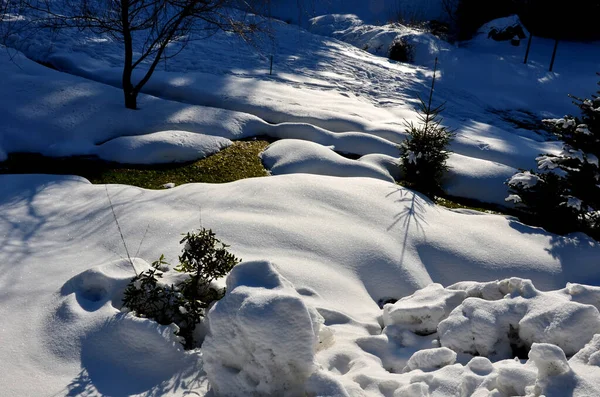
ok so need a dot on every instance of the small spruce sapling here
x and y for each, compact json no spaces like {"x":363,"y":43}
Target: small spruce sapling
{"x":204,"y":259}
{"x":424,"y":153}
{"x":564,"y":196}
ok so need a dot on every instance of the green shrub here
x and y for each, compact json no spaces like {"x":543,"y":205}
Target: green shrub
{"x":204,"y":259}
{"x":424,"y":153}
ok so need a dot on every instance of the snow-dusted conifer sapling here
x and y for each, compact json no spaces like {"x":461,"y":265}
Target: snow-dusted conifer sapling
{"x":564,"y":195}
{"x":424,"y":153}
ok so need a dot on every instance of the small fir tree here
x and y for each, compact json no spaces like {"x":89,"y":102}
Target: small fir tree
{"x":424,"y":153}
{"x":564,"y":196}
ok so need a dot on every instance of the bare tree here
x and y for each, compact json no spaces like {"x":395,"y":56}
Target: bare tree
{"x":145,"y":27}
{"x":449,"y":7}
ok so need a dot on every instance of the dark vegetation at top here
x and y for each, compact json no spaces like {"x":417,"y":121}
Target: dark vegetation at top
{"x":575,"y":20}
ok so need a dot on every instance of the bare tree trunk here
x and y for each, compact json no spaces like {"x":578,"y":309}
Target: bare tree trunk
{"x":128,"y":89}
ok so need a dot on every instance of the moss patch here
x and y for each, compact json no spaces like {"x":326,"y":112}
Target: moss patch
{"x":239,"y":161}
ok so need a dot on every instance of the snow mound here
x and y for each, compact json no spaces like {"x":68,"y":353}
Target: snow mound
{"x":161,"y":147}
{"x":262,"y":336}
{"x":501,"y":25}
{"x":422,"y":311}
{"x":378,"y":40}
{"x":292,"y":156}
{"x":346,"y":142}
{"x":590,"y":354}
{"x":430,"y":359}
{"x":525,"y":316}
{"x":477,"y":179}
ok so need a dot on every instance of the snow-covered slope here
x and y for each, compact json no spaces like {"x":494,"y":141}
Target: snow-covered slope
{"x":313,"y":94}
{"x":345,"y":244}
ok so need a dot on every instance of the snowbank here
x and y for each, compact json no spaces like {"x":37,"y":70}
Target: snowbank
{"x":321,"y":90}
{"x":477,"y":179}
{"x":378,"y":40}
{"x":161,"y":147}
{"x":294,"y":156}
{"x":58,"y":114}
{"x":116,"y":353}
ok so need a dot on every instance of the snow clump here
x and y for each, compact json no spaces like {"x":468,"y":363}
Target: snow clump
{"x":524,"y":179}
{"x":525,"y":316}
{"x":423,"y":311}
{"x":262,"y":337}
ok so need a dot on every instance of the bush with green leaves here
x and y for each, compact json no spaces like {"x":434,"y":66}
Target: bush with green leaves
{"x":424,"y":153}
{"x":564,"y":196}
{"x":204,"y":259}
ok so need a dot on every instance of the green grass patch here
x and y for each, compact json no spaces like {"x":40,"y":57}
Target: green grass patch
{"x":461,"y":203}
{"x":239,"y":161}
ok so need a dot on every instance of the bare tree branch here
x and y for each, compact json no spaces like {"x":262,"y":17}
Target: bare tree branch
{"x":148,"y":25}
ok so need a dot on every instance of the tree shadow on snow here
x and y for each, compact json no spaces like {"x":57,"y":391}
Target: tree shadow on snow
{"x":119,"y":359}
{"x":576,"y":252}
{"x":411,"y":214}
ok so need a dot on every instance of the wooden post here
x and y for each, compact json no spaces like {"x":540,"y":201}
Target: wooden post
{"x":553,"y":55}
{"x":528,"y":48}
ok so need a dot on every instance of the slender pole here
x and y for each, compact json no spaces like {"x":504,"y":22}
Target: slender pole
{"x":271,"y":67}
{"x":528,"y":48}
{"x":432,"y":83}
{"x":553,"y":55}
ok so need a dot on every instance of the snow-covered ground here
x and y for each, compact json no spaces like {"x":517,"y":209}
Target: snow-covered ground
{"x":344,"y":245}
{"x":326,"y":241}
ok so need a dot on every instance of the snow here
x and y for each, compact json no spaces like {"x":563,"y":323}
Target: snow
{"x":431,"y":359}
{"x":294,"y":156}
{"x":261,"y":307}
{"x":342,"y":244}
{"x":525,"y":179}
{"x":161,"y":147}
{"x":573,"y":202}
{"x":501,"y":24}
{"x":351,"y":285}
{"x":491,"y":328}
{"x":381,"y":11}
{"x":378,"y":40}
{"x":422,"y":312}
